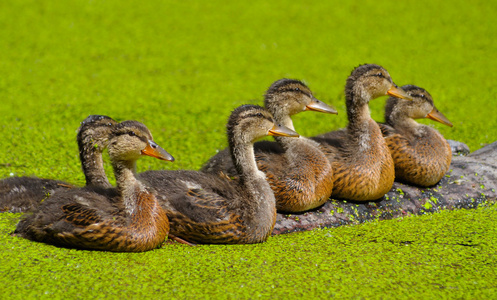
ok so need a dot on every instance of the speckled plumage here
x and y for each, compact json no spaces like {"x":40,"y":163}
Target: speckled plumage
{"x":209,"y":208}
{"x":420,"y":153}
{"x":298,"y":172}
{"x":363,"y":168}
{"x":125,"y":219}
{"x":22,"y":194}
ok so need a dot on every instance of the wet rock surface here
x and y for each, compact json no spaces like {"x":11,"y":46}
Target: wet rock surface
{"x":458,"y":148}
{"x":470,"y":182}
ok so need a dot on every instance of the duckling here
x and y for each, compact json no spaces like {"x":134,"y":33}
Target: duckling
{"x":21,"y":194}
{"x":298,"y":172}
{"x":363,"y":168}
{"x":210,"y":209}
{"x":124,"y":219}
{"x":420,"y":153}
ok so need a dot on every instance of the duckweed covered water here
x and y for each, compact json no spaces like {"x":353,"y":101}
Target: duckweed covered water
{"x":443,"y":255}
{"x":181,"y":67}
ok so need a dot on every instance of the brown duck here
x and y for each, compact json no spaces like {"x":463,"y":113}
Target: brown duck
{"x":420,"y":153}
{"x":21,"y":194}
{"x":363,"y":168}
{"x":125,"y":219}
{"x":208,"y":208}
{"x":298,"y":172}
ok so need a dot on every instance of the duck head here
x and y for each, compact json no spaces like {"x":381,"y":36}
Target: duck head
{"x":287,"y":97}
{"x":131,"y":139}
{"x":371,"y":81}
{"x":421,"y":106}
{"x":248,"y":123}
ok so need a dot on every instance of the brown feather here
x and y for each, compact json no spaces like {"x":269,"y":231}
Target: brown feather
{"x":211,"y":208}
{"x":421,"y":154}
{"x":127,"y":218}
{"x":298,"y":172}
{"x":363,"y":168}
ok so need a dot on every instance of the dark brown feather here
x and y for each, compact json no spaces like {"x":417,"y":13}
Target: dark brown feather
{"x":298,"y":172}
{"x":211,"y":208}
{"x":99,"y":218}
{"x":363,"y":168}
{"x":420,"y":153}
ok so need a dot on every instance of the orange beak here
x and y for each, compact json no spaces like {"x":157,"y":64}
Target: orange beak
{"x":320,"y":106}
{"x":154,"y":150}
{"x":435,"y":115}
{"x":280,"y":130}
{"x":398,"y":93}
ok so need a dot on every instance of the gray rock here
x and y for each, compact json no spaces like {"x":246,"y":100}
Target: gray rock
{"x":458,"y":148}
{"x":471,"y":181}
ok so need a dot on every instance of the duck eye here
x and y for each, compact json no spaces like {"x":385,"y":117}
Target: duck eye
{"x":297,"y":89}
{"x":132,"y":133}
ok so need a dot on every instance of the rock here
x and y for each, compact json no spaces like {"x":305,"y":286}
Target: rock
{"x":458,"y":148}
{"x":471,"y":181}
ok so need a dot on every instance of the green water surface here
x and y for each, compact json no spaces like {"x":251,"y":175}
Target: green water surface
{"x":181,"y":67}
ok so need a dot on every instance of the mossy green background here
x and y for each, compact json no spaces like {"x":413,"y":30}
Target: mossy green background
{"x":445,"y":255}
{"x":181,"y":67}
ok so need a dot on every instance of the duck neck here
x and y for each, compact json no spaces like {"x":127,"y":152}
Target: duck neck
{"x":90,"y":155}
{"x":148,"y":225}
{"x":284,"y":119}
{"x":404,"y":124}
{"x":358,"y":112}
{"x":360,"y":126}
{"x":358,"y":116}
{"x":245,"y":164}
{"x":357,"y":102}
{"x":127,"y":184}
{"x":287,"y":142}
{"x":259,"y":209}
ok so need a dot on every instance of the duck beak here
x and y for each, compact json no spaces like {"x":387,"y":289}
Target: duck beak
{"x":280,"y":130}
{"x":435,"y":115}
{"x":398,"y":93}
{"x":320,"y":106}
{"x":156,"y":151}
